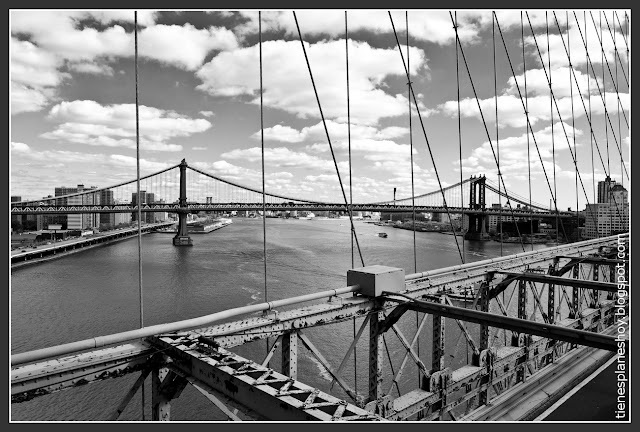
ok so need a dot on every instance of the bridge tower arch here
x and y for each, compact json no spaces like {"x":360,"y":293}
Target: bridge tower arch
{"x":182,"y":234}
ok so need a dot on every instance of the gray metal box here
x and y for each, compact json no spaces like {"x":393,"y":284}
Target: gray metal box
{"x":376,"y":278}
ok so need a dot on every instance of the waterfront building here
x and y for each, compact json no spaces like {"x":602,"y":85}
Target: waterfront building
{"x":608,"y":218}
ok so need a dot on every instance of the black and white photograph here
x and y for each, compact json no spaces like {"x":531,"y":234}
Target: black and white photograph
{"x":319,"y":215}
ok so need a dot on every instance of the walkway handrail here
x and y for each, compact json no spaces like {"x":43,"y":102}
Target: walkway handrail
{"x":100,"y":341}
{"x":472,"y":265}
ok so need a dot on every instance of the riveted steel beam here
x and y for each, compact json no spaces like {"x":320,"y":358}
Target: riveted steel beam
{"x":263,"y":390}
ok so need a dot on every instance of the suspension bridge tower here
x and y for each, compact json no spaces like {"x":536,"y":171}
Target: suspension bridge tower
{"x":182,"y":234}
{"x":478,"y":220}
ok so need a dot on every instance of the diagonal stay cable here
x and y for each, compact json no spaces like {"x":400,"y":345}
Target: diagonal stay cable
{"x":583,"y":105}
{"x":556,"y":103}
{"x":621,"y":32}
{"x":603,"y":94}
{"x":590,"y":63}
{"x":614,"y":81}
{"x":324,"y":123}
{"x":444,"y":200}
{"x":527,"y":113}
{"x":615,"y":48}
{"x":599,"y":91}
{"x":500,"y":178}
{"x":529,"y":126}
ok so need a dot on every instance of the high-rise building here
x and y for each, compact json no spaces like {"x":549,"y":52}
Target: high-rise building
{"x":146,"y":198}
{"x":604,"y":187}
{"x":611,"y":217}
{"x":106,"y":198}
{"x":79,"y":220}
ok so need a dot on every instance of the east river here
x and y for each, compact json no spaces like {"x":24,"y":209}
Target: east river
{"x":95,"y":293}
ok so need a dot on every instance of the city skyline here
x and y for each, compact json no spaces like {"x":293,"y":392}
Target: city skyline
{"x":73,"y":103}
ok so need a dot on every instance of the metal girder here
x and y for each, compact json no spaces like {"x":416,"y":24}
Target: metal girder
{"x":550,"y":331}
{"x":37,"y":379}
{"x":289,"y":354}
{"x":556,"y":280}
{"x":263,"y":390}
{"x":165,"y":386}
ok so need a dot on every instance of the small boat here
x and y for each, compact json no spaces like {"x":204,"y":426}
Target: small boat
{"x":383,"y":235}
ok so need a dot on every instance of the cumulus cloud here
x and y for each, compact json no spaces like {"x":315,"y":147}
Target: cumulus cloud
{"x":338,"y":131}
{"x":235,"y":73}
{"x":57,"y":40}
{"x":90,"y":123}
{"x":511,"y":111}
{"x":433,"y":26}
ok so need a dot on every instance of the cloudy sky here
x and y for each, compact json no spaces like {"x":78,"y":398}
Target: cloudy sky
{"x":72,"y":99}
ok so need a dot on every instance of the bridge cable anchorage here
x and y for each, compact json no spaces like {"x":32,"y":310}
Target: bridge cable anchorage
{"x":529,"y":126}
{"x":324,"y":123}
{"x":581,"y":98}
{"x":495,"y":87}
{"x":433,"y":162}
{"x":553,"y":141}
{"x":526,"y":113}
{"x":138,"y":198}
{"x":600,"y":92}
{"x":501,"y":179}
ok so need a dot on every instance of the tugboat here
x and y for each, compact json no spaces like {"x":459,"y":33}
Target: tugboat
{"x":382,"y":234}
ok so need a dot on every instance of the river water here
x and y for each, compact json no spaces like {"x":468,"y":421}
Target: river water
{"x":95,"y":293}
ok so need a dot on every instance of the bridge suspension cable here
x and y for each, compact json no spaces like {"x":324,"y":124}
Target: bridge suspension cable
{"x":553,"y":140}
{"x":425,"y":133}
{"x":344,"y":195}
{"x":495,"y":88}
{"x":139,"y":199}
{"x":459,"y":136}
{"x":526,"y":112}
{"x":485,"y":124}
{"x":600,"y":92}
{"x":581,"y":98}
{"x":264,"y":209}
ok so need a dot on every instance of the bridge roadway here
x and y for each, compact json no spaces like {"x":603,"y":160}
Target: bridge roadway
{"x":30,"y":254}
{"x":289,"y":206}
{"x":176,"y":355}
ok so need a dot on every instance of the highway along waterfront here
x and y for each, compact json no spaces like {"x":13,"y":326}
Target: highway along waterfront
{"x":95,"y":292}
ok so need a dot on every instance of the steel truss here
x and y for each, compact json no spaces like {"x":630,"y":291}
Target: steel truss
{"x":203,"y":355}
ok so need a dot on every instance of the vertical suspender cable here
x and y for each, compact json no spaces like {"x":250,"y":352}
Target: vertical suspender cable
{"x":526,"y":112}
{"x":264,"y":206}
{"x":138,"y":200}
{"x":553,"y":141}
{"x":346,"y":43}
{"x":326,"y":130}
{"x":573,"y":126}
{"x":606,"y":130}
{"x":615,"y":47}
{"x":413,"y":198}
{"x":495,"y":87}
{"x":593,"y":169}
{"x":413,"y":193}
{"x":424,"y":132}
{"x":459,"y":138}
